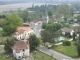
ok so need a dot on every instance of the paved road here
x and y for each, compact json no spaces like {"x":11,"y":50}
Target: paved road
{"x":37,"y":29}
{"x":53,"y":53}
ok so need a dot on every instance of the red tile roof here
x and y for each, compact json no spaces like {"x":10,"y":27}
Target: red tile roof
{"x":18,"y":32}
{"x":23,"y":28}
{"x":20,"y":45}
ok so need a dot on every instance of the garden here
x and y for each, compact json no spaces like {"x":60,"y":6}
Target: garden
{"x":69,"y":50}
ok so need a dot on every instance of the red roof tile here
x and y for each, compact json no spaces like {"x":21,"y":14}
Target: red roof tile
{"x":20,"y":45}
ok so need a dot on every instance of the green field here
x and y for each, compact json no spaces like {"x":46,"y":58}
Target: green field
{"x":6,"y":56}
{"x":3,"y":39}
{"x":41,"y":56}
{"x":68,"y":50}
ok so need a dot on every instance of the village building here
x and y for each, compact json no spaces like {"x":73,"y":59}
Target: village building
{"x":23,"y":33}
{"x":21,"y":49}
{"x":66,"y":31}
{"x":46,"y":17}
{"x":26,"y":24}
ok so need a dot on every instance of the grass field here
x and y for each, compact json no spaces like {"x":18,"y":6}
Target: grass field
{"x":3,"y":39}
{"x":68,"y":50}
{"x":41,"y":56}
{"x":6,"y":56}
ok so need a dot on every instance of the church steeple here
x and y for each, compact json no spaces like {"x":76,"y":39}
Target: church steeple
{"x":46,"y":18}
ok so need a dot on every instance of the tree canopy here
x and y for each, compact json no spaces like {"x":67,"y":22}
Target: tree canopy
{"x":65,"y":10}
{"x":9,"y":43}
{"x":34,"y":42}
{"x":50,"y":13}
{"x":24,"y":15}
{"x":52,"y":27}
{"x":11,"y":23}
{"x":47,"y":36}
{"x":50,"y":32}
{"x":78,"y":18}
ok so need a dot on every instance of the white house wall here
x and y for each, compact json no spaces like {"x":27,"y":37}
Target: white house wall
{"x":25,"y":35}
{"x":18,"y":55}
{"x":72,"y":32}
{"x":27,"y":52}
{"x":14,"y":53}
{"x":63,"y":33}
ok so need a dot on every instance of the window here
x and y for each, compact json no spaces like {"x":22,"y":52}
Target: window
{"x":28,"y":33}
{"x":23,"y":50}
{"x":19,"y":57}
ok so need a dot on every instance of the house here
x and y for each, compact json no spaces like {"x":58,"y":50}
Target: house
{"x":37,"y":22}
{"x":23,"y":33}
{"x":76,"y":28}
{"x":21,"y":49}
{"x":66,"y":31}
{"x":26,"y":24}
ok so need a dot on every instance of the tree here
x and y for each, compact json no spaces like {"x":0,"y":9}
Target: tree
{"x":65,"y":10}
{"x":34,"y":42}
{"x":78,"y":18}
{"x":66,"y":25}
{"x":74,"y":36}
{"x":24,"y":15}
{"x":50,"y":13}
{"x":11,"y":23}
{"x":44,"y":25}
{"x":52,"y":27}
{"x":66,"y":43}
{"x":46,"y":36}
{"x":78,"y":46}
{"x":9,"y":43}
{"x":50,"y":32}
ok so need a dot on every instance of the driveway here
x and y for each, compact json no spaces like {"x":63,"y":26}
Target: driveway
{"x":53,"y":53}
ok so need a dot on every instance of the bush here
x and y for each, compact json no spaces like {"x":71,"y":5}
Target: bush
{"x":67,"y":43}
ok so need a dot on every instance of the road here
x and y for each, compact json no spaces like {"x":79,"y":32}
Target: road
{"x":53,"y":53}
{"x":37,"y":29}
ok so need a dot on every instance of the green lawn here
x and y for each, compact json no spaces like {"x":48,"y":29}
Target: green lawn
{"x":4,"y":57}
{"x":41,"y":56}
{"x":3,"y":39}
{"x":68,"y":50}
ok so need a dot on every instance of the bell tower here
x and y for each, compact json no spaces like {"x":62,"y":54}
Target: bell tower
{"x":46,"y":17}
